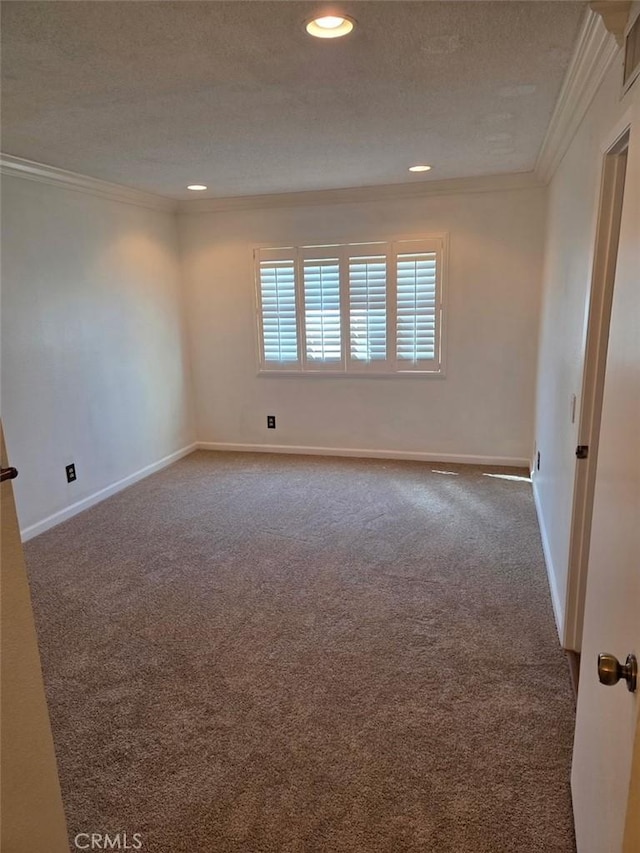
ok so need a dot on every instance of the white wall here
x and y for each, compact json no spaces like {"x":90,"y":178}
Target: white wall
{"x":94,"y":367}
{"x":484,"y":406}
{"x":573,"y":204}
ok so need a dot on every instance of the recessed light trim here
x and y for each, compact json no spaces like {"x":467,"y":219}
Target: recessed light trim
{"x":420,"y":168}
{"x":196,"y":188}
{"x":330,"y":26}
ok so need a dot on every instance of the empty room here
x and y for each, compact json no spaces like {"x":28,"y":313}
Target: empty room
{"x":320,"y":398}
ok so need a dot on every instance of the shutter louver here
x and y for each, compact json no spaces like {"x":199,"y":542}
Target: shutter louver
{"x":368,"y":308}
{"x":278,"y":301}
{"x":416,"y":307}
{"x":321,"y":279}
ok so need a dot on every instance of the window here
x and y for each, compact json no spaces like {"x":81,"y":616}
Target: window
{"x":373,"y":308}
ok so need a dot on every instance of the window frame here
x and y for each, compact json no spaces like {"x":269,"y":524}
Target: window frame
{"x":347,"y":367}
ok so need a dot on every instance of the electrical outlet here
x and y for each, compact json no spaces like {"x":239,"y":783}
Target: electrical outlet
{"x":538,"y":461}
{"x":271,"y":421}
{"x":71,"y":473}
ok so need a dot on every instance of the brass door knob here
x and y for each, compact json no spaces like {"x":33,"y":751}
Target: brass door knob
{"x":610,"y":670}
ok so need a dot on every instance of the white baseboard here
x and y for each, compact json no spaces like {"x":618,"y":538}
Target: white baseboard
{"x":68,"y":512}
{"x":551,"y":575}
{"x":416,"y":456}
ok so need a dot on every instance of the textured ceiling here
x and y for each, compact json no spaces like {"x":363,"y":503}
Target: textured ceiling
{"x":156,"y":95}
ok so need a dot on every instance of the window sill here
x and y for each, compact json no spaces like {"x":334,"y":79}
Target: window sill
{"x":342,"y":374}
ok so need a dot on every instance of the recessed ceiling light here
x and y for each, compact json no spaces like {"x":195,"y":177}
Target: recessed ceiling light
{"x":419,"y":168}
{"x":330,"y":26}
{"x":196,"y":187}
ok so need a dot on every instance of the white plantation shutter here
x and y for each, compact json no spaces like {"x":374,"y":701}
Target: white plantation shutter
{"x":368,"y":308}
{"x":322,"y":321}
{"x":417,"y":309}
{"x":278,"y":304}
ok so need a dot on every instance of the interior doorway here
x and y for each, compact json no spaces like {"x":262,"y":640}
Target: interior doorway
{"x":595,"y":360}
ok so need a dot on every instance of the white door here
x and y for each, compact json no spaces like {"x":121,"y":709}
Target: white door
{"x":605,"y":776}
{"x":32,"y":815}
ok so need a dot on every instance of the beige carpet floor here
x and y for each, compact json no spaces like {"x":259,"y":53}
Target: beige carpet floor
{"x":256,"y":653}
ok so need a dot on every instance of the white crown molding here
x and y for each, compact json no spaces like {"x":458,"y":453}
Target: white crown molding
{"x":32,"y":171}
{"x":614,"y":14}
{"x":19,"y":168}
{"x":350,"y":195}
{"x":594,"y":52}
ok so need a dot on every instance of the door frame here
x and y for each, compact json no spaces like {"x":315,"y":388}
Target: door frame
{"x":596,"y":337}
